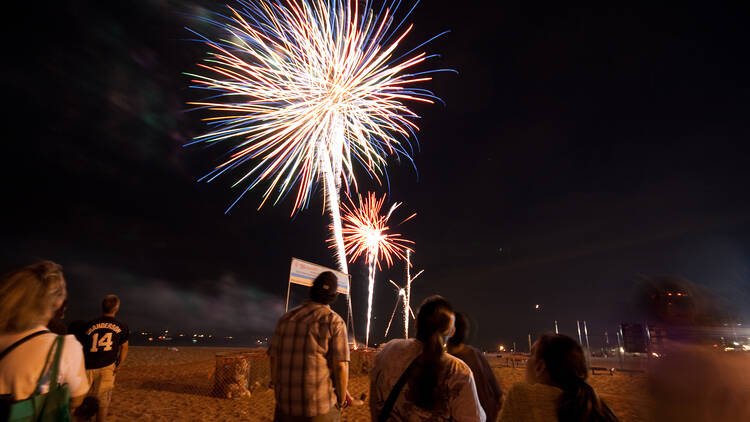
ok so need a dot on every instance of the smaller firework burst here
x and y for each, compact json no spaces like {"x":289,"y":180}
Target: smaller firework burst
{"x":366,"y":232}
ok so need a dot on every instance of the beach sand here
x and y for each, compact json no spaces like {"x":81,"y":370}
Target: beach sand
{"x":158,"y":384}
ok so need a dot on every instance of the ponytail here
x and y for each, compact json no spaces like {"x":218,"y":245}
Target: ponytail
{"x":434,"y":320}
{"x":580,"y":402}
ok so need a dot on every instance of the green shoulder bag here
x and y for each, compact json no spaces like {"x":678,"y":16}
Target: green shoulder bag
{"x":54,"y":405}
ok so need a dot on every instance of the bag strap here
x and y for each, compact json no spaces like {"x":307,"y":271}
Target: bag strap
{"x":59,"y":341}
{"x":20,"y":342}
{"x":48,"y":366}
{"x":395,"y":391}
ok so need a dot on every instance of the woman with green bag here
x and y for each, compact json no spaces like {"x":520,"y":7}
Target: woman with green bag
{"x":39,"y":371}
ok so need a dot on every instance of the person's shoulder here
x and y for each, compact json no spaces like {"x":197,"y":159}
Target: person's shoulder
{"x":480,"y":356}
{"x":456,"y":365}
{"x":71,"y":344}
{"x":335,"y":317}
{"x":325,"y":312}
{"x":122,"y":324}
{"x":396,"y":350}
{"x":535,"y":391}
{"x":475,"y":350}
{"x":399,"y":346}
{"x":92,"y":322}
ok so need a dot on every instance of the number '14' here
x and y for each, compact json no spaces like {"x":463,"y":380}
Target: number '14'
{"x":105,"y":342}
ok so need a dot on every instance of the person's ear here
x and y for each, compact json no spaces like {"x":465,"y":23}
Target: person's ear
{"x":539,"y":369}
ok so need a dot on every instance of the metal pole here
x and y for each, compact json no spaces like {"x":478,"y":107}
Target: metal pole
{"x":529,"y":342}
{"x":648,"y":342}
{"x":586,"y":334}
{"x":288,"y":285}
{"x":556,"y":330}
{"x":407,"y":295}
{"x":578,"y":324}
{"x":619,"y":348}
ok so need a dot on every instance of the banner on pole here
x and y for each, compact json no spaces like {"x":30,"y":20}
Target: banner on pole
{"x":303,"y":272}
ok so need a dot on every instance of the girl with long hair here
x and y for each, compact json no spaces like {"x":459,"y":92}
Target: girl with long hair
{"x":416,"y":380}
{"x":556,"y":387}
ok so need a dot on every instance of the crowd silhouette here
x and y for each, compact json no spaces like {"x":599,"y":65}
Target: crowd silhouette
{"x":56,"y":372}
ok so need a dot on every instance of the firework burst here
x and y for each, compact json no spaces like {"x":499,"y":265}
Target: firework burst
{"x":304,"y":90}
{"x":366,"y":233}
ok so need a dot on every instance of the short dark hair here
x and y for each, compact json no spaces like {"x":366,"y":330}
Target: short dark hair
{"x":110,"y":303}
{"x":463,"y":328}
{"x":325,"y":288}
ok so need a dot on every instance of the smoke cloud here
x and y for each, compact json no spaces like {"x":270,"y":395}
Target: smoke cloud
{"x":226,"y":306}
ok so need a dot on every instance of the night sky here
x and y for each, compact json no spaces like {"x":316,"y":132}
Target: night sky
{"x":579,"y":150}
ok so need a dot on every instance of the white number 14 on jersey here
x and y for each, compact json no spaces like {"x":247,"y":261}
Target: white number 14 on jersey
{"x":105,"y":341}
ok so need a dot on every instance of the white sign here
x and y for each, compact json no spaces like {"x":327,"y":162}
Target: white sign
{"x":303,"y":272}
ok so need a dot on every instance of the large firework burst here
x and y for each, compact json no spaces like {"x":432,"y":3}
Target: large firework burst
{"x":304,"y":89}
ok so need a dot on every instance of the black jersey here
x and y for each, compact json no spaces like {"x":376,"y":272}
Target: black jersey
{"x":102,"y":340}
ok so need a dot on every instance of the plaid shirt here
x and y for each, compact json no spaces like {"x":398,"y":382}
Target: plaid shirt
{"x":309,"y":340}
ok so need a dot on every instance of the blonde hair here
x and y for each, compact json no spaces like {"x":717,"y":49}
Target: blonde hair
{"x":29,"y":296}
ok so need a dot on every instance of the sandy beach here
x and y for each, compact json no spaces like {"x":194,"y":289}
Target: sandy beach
{"x":158,"y":384}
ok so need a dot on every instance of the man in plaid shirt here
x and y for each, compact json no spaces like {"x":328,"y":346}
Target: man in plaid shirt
{"x":309,"y":354}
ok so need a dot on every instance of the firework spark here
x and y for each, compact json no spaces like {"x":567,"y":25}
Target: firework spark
{"x":366,"y":233}
{"x":401,"y":297}
{"x":304,"y":89}
{"x":404,"y":294}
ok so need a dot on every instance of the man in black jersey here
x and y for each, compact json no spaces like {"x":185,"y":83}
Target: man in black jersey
{"x":105,"y":347}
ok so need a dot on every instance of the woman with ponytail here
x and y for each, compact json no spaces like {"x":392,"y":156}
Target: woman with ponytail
{"x":416,"y":380}
{"x":556,"y":387}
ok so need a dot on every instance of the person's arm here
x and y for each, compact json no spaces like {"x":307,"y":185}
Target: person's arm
{"x":272,"y":363}
{"x":339,"y":357}
{"x":75,"y":402}
{"x":465,"y":405}
{"x":341,"y":381}
{"x":374,"y":396}
{"x":497,"y":392}
{"x":272,"y":352}
{"x":123,"y":353}
{"x":74,"y":371}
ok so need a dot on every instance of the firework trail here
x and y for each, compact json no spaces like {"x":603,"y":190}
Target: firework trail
{"x":404,"y":295}
{"x":401,"y":297}
{"x":365,"y":233}
{"x":407,"y":293}
{"x":303,"y":91}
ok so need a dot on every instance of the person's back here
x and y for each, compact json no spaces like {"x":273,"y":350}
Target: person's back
{"x":456,"y":386}
{"x":103,"y":340}
{"x":434,"y":386}
{"x":488,"y":390}
{"x":28,"y":298}
{"x":304,"y":335}
{"x":531,"y":403}
{"x":21,"y":368}
{"x":555,"y":389}
{"x":309,"y":355}
{"x":105,"y":348}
